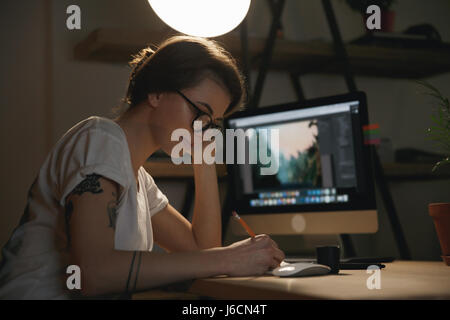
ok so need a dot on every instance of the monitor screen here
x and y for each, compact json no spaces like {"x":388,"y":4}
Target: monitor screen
{"x":320,"y":162}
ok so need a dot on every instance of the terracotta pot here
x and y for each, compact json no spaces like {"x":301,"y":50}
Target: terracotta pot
{"x":387,"y":21}
{"x":440,"y":212}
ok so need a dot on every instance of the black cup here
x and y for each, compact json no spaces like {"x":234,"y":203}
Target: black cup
{"x":329,"y":256}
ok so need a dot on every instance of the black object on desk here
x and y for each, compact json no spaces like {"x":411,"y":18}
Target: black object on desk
{"x":329,"y":256}
{"x":355,"y":263}
{"x":358,"y":266}
{"x":373,"y":260}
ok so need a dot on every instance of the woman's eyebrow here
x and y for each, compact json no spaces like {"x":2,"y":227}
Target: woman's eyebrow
{"x":207,"y":106}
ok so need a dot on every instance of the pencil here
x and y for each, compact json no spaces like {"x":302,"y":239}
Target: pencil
{"x":244,"y":224}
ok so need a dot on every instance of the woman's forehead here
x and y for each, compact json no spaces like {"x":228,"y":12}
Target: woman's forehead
{"x":212,"y":93}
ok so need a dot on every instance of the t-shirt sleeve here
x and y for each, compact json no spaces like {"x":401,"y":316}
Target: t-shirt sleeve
{"x":156,"y":199}
{"x":93,"y":151}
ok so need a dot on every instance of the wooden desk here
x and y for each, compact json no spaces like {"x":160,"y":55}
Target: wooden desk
{"x":399,"y":280}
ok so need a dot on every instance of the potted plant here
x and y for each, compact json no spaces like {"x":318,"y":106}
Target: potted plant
{"x":387,"y":15}
{"x":439,"y":132}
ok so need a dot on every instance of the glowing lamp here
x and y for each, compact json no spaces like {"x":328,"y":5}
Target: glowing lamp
{"x":202,"y":18}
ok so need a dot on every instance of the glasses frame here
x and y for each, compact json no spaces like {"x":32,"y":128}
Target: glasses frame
{"x":199,"y":112}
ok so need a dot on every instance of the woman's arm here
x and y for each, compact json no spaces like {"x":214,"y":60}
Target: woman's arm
{"x":175,"y":233}
{"x":105,"y":270}
{"x":207,"y":220}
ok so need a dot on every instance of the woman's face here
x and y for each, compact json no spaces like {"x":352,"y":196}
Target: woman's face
{"x":174,"y":112}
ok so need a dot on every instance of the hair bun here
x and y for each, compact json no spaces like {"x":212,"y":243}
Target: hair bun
{"x":146,"y":53}
{"x":149,"y":52}
{"x":140,"y":58}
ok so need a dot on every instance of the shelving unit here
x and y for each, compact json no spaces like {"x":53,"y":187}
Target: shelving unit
{"x":414,"y":171}
{"x":165,"y":169}
{"x":118,"y":45}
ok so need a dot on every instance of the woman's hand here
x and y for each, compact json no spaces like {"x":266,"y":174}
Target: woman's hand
{"x":252,"y":256}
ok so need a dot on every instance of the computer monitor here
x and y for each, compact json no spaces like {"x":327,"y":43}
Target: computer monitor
{"x":324,"y":182}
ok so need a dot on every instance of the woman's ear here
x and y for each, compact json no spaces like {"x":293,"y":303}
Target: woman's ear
{"x":154,"y":99}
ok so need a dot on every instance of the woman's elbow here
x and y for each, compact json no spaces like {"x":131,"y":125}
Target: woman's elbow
{"x":89,"y":276}
{"x":89,"y":284}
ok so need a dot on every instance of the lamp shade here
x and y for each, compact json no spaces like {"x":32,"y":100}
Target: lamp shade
{"x":202,"y":18}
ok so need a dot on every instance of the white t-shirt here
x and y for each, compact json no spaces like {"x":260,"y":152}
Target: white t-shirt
{"x":35,"y":257}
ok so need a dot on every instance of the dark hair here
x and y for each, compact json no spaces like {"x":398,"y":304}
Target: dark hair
{"x":182,"y":62}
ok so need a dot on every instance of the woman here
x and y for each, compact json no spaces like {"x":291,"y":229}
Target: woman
{"x":93,"y":205}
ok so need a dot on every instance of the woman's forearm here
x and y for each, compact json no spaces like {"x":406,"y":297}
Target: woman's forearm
{"x":206,"y":221}
{"x":109,"y":274}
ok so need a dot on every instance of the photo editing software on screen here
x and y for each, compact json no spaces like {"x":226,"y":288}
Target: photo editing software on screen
{"x":322,"y":161}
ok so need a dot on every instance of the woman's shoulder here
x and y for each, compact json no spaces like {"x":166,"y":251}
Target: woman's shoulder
{"x":97,"y":123}
{"x":91,"y":141}
{"x":94,"y":145}
{"x":93,"y":130}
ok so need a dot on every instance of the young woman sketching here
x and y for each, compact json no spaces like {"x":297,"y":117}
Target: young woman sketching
{"x":93,"y":205}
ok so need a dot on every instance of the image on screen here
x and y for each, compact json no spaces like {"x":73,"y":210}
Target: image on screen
{"x":299,"y":157}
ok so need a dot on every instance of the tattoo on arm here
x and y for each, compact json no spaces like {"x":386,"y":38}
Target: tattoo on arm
{"x":112,"y":211}
{"x":90,"y":184}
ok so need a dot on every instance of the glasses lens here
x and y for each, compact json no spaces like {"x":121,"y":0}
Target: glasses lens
{"x":219,"y":125}
{"x":205,"y":119}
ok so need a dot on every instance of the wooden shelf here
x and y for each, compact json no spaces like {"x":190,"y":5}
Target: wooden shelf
{"x":167,"y":169}
{"x":393,"y":171}
{"x":117,"y":46}
{"x":414,"y":171}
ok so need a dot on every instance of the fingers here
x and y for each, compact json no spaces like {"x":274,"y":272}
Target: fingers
{"x":274,"y":243}
{"x":275,"y":264}
{"x":278,"y":255}
{"x":264,"y":241}
{"x":256,"y":255}
{"x":273,"y":256}
{"x":261,"y":241}
{"x":261,"y":237}
{"x":265,"y":237}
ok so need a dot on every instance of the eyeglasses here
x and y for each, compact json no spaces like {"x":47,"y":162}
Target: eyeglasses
{"x":202,"y":116}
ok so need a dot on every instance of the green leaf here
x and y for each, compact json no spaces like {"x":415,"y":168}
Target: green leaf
{"x":438,"y":127}
{"x":439,"y":132}
{"x":440,"y":163}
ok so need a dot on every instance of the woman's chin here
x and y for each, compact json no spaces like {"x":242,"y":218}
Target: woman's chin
{"x":167,"y":149}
